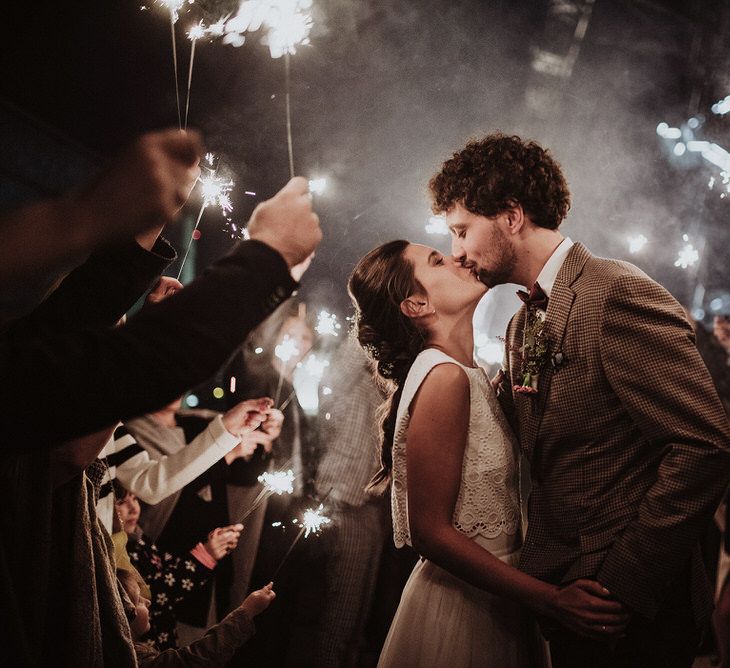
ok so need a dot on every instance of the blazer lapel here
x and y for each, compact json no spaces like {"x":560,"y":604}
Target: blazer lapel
{"x":556,"y":321}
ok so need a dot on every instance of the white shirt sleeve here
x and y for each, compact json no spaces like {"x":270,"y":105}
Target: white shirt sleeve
{"x":152,"y":480}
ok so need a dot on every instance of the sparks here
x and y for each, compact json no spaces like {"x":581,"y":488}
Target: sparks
{"x":636,"y":243}
{"x":173,"y":6}
{"x":218,"y":28}
{"x":196,"y":32}
{"x":286,"y":349}
{"x":687,"y":256}
{"x":327,"y":324}
{"x":722,"y":107}
{"x":216,"y":191}
{"x":288,"y":23}
{"x":315,"y":367}
{"x":278,"y":482}
{"x":313,"y":520}
{"x":317,"y":186}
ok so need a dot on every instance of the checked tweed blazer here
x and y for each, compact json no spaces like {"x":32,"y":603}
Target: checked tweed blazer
{"x":628,"y":442}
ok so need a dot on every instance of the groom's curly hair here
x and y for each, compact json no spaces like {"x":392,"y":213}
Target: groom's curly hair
{"x":490,"y":175}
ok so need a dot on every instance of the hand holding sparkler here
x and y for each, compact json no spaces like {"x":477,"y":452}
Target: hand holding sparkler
{"x":247,"y":415}
{"x":287,"y":223}
{"x":222,"y":541}
{"x":146,"y":186}
{"x":250,"y":443}
{"x":165,"y":287}
{"x":256,"y":602}
{"x":273,"y":423}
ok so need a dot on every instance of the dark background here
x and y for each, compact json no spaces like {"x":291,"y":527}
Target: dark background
{"x":384,"y":93}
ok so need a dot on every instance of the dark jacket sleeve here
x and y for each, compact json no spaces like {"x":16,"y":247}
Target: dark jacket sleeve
{"x":64,"y":384}
{"x":101,"y":290}
{"x":653,"y":366}
{"x":215,"y":648}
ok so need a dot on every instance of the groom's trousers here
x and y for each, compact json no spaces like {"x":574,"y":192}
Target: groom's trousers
{"x":669,"y":641}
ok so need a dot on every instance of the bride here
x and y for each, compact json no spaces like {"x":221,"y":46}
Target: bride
{"x":451,"y":460}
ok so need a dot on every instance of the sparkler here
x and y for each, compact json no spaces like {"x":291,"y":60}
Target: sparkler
{"x":289,"y":23}
{"x":174,"y":7}
{"x":312,"y":522}
{"x":287,"y":87}
{"x":288,"y":400}
{"x":278,"y":482}
{"x":215,"y":191}
{"x":287,"y":349}
{"x":194,"y":34}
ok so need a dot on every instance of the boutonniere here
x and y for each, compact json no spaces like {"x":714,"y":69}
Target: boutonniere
{"x":534,"y":352}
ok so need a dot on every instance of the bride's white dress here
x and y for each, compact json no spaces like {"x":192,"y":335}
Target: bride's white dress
{"x":441,"y":619}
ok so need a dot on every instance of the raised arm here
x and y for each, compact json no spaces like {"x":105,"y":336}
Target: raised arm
{"x":649,"y":357}
{"x":153,"y":480}
{"x":101,"y":290}
{"x":144,"y":187}
{"x":86,"y":380}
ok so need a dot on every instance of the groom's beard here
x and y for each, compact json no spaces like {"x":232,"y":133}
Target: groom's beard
{"x":503,"y":261}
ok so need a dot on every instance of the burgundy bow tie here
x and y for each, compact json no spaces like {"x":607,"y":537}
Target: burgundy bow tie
{"x":536,"y":297}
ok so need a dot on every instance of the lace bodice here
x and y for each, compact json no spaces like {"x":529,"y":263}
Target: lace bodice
{"x":488,"y":502}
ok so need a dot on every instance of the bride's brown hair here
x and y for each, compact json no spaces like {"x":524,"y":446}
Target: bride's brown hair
{"x":377,"y":286}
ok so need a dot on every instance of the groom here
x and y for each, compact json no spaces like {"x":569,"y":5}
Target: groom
{"x":628,"y":443}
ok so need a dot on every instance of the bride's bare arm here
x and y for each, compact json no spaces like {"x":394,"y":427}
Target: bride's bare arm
{"x":437,"y":436}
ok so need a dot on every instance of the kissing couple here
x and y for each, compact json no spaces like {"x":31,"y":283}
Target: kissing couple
{"x":602,"y":393}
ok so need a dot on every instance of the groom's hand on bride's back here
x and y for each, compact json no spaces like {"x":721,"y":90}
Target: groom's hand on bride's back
{"x":587,"y":608}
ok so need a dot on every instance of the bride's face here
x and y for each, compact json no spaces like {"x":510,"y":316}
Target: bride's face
{"x":450,"y":288}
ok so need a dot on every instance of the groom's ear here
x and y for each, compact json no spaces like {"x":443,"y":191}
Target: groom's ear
{"x":416,"y":306}
{"x":514,"y":218}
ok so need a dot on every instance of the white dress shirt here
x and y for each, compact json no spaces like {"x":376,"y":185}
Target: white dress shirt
{"x":550,"y":270}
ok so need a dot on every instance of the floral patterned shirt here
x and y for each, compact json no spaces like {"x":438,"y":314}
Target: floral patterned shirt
{"x":171,"y":578}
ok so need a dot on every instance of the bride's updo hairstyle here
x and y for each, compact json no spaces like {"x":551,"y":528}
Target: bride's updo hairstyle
{"x":377,"y":286}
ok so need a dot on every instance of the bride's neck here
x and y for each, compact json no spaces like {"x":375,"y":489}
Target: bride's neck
{"x":455,"y":338}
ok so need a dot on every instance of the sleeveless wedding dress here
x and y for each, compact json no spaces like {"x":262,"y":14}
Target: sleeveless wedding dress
{"x":442,"y":621}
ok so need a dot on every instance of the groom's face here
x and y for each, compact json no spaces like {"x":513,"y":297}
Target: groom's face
{"x":480,"y":244}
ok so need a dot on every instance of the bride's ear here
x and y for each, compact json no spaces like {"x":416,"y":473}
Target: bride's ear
{"x":416,"y":306}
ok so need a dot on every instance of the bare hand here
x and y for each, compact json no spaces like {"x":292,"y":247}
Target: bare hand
{"x":498,"y":381}
{"x":247,"y":415}
{"x":273,"y":423}
{"x":223,"y":540}
{"x":287,"y":223}
{"x":166,"y":287}
{"x":249,"y":443}
{"x":146,"y":185}
{"x":256,"y":602}
{"x":587,"y":608}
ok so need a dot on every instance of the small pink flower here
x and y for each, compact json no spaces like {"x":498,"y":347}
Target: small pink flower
{"x":524,"y":389}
